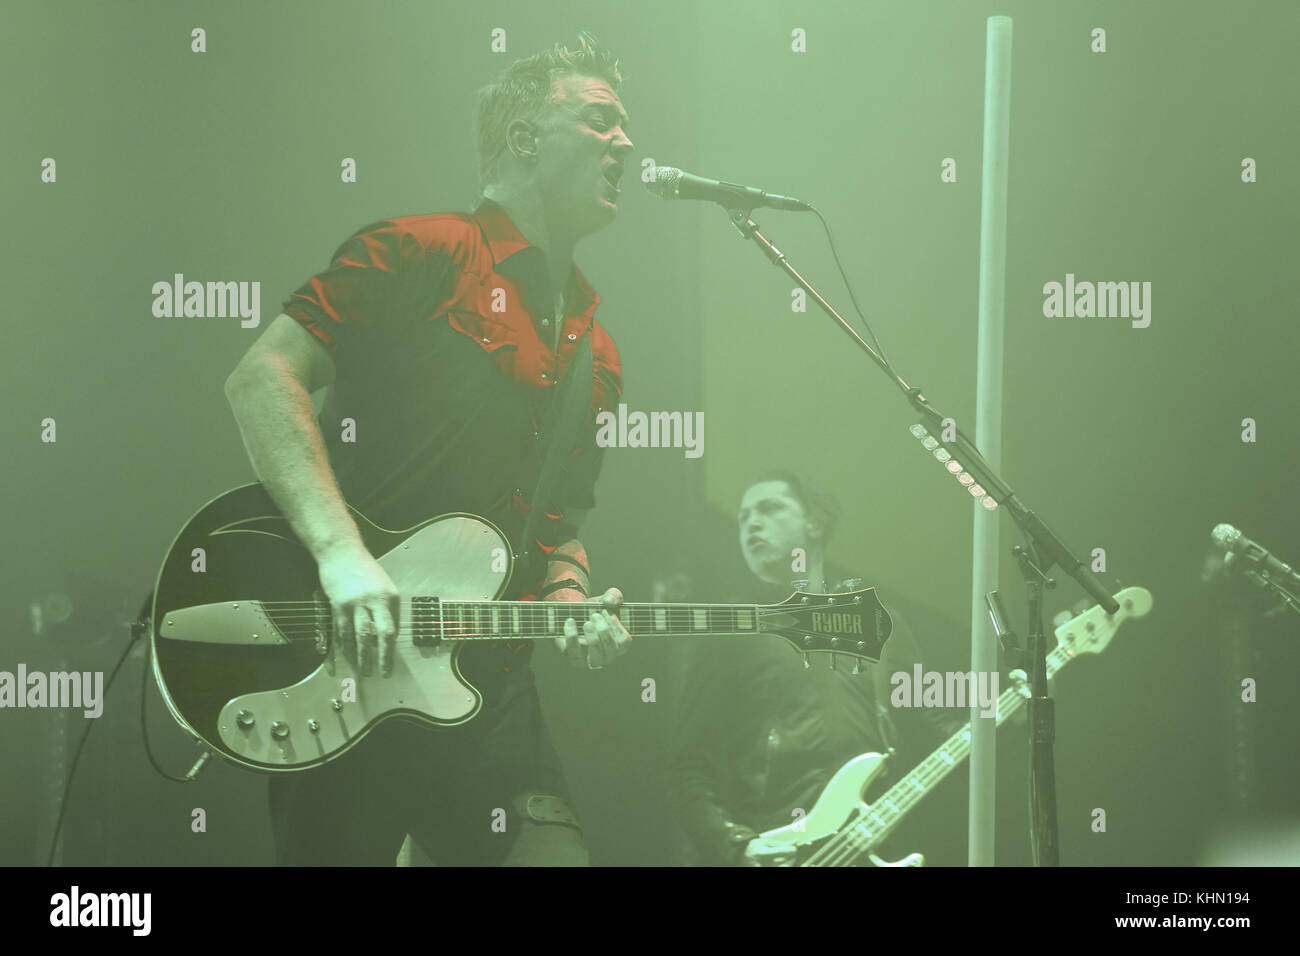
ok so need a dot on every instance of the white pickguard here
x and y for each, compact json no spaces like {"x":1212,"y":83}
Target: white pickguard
{"x":451,"y":558}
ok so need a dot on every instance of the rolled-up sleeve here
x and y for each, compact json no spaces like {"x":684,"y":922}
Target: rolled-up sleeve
{"x":356,"y":292}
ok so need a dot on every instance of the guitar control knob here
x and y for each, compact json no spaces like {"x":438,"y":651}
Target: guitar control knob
{"x":279,"y":730}
{"x":245,"y":719}
{"x":313,"y":726}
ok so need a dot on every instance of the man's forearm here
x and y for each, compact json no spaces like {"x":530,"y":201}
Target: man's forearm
{"x":287,"y":452}
{"x":568,"y":574}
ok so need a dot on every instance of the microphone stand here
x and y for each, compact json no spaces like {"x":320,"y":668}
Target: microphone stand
{"x":1042,"y":550}
{"x":1264,"y":581}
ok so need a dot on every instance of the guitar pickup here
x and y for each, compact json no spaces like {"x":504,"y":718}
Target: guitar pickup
{"x":426,"y":621}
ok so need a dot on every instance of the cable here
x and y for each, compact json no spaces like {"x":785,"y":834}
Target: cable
{"x":139,"y":628}
{"x":853,"y":298}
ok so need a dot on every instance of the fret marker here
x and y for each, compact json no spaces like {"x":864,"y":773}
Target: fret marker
{"x":746,"y":619}
{"x":514,"y":615}
{"x":661,"y":619}
{"x":550,"y":619}
{"x":944,"y":755}
{"x":496,"y":619}
{"x":701,"y":619}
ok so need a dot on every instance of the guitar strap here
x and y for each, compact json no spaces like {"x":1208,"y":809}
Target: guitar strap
{"x":570,"y":411}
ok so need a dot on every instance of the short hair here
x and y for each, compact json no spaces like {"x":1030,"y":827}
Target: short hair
{"x":524,"y":91}
{"x":819,"y":505}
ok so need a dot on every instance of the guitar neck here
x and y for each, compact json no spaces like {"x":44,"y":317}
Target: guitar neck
{"x":540,"y":620}
{"x":895,"y":804}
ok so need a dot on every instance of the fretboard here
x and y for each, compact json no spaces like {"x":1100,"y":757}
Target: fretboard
{"x":537,"y":620}
{"x":888,"y":811}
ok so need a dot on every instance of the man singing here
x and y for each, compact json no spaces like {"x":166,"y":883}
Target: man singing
{"x":443,"y":339}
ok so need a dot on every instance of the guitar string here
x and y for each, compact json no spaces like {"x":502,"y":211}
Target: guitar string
{"x":848,"y":843}
{"x":844,"y":847}
{"x":641,"y":617}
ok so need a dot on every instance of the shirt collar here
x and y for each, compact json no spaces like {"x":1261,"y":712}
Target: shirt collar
{"x":505,"y":240}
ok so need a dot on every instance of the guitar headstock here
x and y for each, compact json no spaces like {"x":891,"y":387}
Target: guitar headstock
{"x":853,"y":623}
{"x":1091,"y":631}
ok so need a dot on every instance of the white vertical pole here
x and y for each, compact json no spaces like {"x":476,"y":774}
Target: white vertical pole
{"x":988,"y":421}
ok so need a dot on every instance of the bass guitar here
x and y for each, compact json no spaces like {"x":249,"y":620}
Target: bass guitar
{"x":842,"y":828}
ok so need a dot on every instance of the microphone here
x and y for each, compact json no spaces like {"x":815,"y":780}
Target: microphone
{"x":672,"y":183}
{"x":1229,"y":539}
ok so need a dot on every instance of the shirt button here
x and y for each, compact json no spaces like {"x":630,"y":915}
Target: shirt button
{"x":486,"y":341}
{"x":572,"y":336}
{"x":546,"y":321}
{"x":545,"y":376}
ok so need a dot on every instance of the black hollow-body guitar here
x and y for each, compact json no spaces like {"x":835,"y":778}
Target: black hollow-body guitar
{"x":239,"y":622}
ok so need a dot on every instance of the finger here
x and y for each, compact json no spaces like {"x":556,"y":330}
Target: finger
{"x":618,"y":633}
{"x":335,"y":640}
{"x":365,"y":639}
{"x":569,"y":642}
{"x":348,"y":643}
{"x":386,"y":633}
{"x":612,"y":599}
{"x":602,"y":640}
{"x":590,"y":642}
{"x":616,"y":637}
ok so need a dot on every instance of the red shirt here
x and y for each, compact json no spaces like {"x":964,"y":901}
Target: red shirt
{"x":440,"y":327}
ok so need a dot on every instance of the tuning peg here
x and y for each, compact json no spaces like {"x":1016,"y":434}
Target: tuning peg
{"x":857,"y":666}
{"x":805,"y":660}
{"x":832,"y":662}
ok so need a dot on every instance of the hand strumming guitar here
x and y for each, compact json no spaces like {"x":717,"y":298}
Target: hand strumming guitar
{"x":366,"y":608}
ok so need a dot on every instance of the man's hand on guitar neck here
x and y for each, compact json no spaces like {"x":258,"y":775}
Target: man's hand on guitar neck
{"x":603,"y":636}
{"x":366,"y":607}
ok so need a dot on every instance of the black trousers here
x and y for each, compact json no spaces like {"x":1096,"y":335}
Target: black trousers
{"x":489,"y":793}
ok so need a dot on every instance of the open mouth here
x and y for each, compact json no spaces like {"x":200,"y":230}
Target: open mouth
{"x":611,"y":176}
